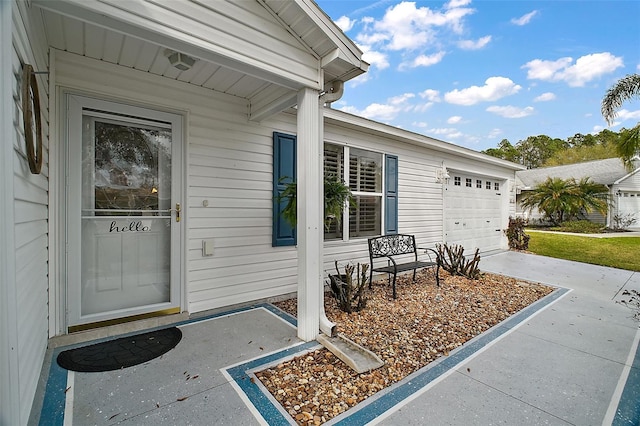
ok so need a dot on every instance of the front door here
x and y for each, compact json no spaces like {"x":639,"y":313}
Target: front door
{"x":123,"y":211}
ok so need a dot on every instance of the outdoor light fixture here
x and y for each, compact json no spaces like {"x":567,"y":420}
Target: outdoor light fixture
{"x":181,"y":61}
{"x":442,"y":175}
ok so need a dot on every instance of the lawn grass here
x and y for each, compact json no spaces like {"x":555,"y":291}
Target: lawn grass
{"x":617,"y":252}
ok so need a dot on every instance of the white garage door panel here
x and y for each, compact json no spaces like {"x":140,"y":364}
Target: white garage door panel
{"x":629,"y":204}
{"x":473,"y":215}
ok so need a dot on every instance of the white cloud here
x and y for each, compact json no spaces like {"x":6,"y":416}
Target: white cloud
{"x":423,"y":61}
{"x":524,"y":19}
{"x":545,"y":97}
{"x":584,"y":70}
{"x":344,"y":23}
{"x":624,"y":115}
{"x":545,"y":70}
{"x":454,"y":119}
{"x":494,"y":133}
{"x":597,"y":129}
{"x":420,"y":124}
{"x":384,"y":112}
{"x":456,"y":3}
{"x":493,"y":89}
{"x":376,"y":59}
{"x":510,"y":111}
{"x":423,"y":107}
{"x":407,"y":27}
{"x":474,"y":44}
{"x":401,"y":99}
{"x":430,"y":95}
{"x":361,"y":79}
{"x":448,"y":132}
{"x":378,"y":111}
{"x":350,"y":109}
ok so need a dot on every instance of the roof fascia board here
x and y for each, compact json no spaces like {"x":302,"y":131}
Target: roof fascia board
{"x":384,"y":130}
{"x":627,"y":176}
{"x":351,"y":52}
{"x":111,"y":17}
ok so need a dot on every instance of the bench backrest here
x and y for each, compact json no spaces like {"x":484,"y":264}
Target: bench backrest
{"x":391,"y":245}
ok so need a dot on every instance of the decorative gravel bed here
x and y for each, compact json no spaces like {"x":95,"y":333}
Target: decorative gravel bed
{"x":424,"y":323}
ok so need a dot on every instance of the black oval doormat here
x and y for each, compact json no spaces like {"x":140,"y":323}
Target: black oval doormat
{"x":120,"y":353}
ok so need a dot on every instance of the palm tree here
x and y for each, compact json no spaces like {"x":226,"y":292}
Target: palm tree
{"x":625,"y":89}
{"x":552,"y":197}
{"x":561,"y":200}
{"x":592,"y":197}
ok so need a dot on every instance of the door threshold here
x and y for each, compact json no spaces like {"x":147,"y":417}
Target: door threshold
{"x":119,"y":326}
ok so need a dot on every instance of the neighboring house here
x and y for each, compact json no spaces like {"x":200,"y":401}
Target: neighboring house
{"x":165,"y":129}
{"x":624,"y":187}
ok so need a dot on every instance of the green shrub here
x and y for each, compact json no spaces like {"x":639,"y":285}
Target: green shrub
{"x":518,"y":239}
{"x":580,"y":227}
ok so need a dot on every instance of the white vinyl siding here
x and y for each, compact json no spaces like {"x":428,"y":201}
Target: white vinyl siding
{"x":419,"y":197}
{"x":229,"y":168}
{"x":421,"y":210}
{"x":30,"y":242}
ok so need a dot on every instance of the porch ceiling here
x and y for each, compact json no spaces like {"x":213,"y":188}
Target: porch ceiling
{"x":69,"y":28}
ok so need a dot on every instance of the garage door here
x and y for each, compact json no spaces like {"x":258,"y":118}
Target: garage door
{"x":629,"y":205}
{"x":473,"y":212}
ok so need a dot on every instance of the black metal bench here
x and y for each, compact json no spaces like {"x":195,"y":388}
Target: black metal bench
{"x":390,"y":246}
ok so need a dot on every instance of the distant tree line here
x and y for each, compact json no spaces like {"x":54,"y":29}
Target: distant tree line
{"x":544,"y":151}
{"x":541,"y":150}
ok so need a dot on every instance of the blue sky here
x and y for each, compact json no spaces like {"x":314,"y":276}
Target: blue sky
{"x":476,"y":72}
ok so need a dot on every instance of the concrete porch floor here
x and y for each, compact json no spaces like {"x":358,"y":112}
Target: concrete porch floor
{"x":569,"y":359}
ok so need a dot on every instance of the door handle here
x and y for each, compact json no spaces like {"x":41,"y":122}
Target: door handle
{"x":177,"y":210}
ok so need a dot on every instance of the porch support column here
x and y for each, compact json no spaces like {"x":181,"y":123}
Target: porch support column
{"x":310,"y":205}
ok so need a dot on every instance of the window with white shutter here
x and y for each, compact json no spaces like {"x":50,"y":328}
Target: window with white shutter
{"x":365,"y":179}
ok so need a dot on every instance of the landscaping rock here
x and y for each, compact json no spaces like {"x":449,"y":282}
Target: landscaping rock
{"x":424,"y":323}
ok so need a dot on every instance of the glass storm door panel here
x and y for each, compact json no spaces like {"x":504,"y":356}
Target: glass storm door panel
{"x":125,"y":218}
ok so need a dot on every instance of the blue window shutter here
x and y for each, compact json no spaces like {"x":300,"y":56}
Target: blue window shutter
{"x":284,"y":165}
{"x":391,"y":195}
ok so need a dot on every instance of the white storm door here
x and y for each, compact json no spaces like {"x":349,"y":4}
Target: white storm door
{"x":123,"y":210}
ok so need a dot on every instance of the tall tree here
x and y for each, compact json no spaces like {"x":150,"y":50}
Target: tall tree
{"x":506,"y":151}
{"x":624,"y":90}
{"x":580,"y":154}
{"x":535,"y":150}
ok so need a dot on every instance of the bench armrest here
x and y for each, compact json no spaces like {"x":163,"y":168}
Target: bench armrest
{"x":427,"y":250}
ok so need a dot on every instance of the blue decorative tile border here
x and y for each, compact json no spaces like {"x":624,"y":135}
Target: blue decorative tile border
{"x":242,"y":375}
{"x":388,"y":398}
{"x":53,"y":405}
{"x":244,"y":379}
{"x":628,"y":411}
